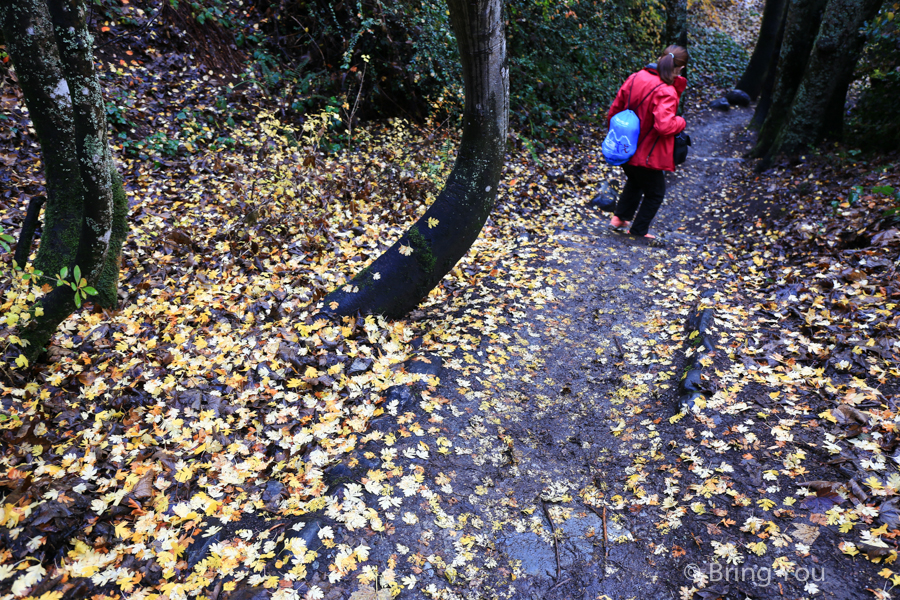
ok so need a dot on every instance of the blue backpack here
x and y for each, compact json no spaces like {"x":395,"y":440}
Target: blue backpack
{"x":624,"y":133}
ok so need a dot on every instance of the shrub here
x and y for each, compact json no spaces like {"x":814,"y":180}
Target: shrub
{"x":571,"y":57}
{"x":874,"y":120}
{"x":716,"y":59}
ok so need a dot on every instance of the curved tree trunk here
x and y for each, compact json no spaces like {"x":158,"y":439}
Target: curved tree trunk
{"x":817,"y":108}
{"x":803,"y":19}
{"x":766,"y":46}
{"x":86,"y":208}
{"x":400,"y":278}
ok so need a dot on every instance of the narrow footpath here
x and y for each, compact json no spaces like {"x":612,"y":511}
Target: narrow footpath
{"x":542,"y":445}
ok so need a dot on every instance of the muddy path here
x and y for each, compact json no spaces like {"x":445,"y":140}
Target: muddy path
{"x":554,"y":461}
{"x":535,"y":444}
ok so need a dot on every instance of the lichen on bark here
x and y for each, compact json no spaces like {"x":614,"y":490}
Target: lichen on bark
{"x":85,"y":215}
{"x":108,"y":282}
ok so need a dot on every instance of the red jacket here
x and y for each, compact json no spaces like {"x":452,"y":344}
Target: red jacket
{"x":659,"y":123}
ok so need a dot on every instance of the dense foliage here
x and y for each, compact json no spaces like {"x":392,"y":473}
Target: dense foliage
{"x":364,"y":59}
{"x":571,"y":57}
{"x":874,"y":119}
{"x":716,"y":59}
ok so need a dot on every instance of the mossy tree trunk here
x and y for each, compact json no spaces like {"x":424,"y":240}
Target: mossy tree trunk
{"x":85,"y":211}
{"x":403,"y":276}
{"x":801,"y":26}
{"x":767,"y":46}
{"x":814,"y":72}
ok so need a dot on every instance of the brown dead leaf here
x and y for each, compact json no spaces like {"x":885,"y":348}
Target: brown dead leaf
{"x":144,"y":487}
{"x":367,"y":592}
{"x":805,"y":533}
{"x":818,"y":519}
{"x":846,"y":415}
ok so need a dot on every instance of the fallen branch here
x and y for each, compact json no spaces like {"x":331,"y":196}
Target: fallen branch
{"x":559,"y":584}
{"x":605,"y":536}
{"x":555,"y":541}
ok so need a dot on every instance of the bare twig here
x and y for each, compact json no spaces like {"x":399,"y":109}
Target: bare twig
{"x":696,"y":541}
{"x":553,"y":531}
{"x":352,"y":113}
{"x":322,"y":54}
{"x":605,"y":536}
{"x":559,"y":584}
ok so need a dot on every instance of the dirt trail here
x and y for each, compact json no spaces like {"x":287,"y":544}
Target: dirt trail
{"x":529,"y":441}
{"x":552,"y":462}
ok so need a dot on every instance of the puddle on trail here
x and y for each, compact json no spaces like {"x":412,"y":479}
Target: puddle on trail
{"x":581,"y":540}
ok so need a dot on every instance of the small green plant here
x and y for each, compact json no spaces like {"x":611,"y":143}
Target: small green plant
{"x":22,"y":292}
{"x":5,"y":241}
{"x":79,"y":284}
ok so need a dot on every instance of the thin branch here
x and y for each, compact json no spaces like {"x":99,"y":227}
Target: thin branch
{"x":605,"y":536}
{"x":310,"y":38}
{"x":553,"y":532}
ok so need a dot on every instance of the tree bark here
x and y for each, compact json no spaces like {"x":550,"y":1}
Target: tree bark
{"x":817,"y":108}
{"x":676,"y":22}
{"x":766,"y":46}
{"x":803,"y":19}
{"x":30,"y":42}
{"x":403,"y":276}
{"x":29,"y":226}
{"x":86,"y":209}
{"x":89,"y":116}
{"x":768,"y":83}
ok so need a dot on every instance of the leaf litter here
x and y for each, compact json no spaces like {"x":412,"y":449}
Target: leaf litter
{"x":213,"y":410}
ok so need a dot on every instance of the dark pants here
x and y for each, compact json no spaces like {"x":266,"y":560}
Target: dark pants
{"x":642,"y":182}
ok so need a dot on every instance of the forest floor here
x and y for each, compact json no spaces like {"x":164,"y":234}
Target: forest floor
{"x":553,"y":422}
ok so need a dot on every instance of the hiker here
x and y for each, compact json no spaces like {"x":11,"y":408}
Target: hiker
{"x":654,"y":93}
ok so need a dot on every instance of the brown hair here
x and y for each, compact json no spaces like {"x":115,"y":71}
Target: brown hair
{"x":672,"y":58}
